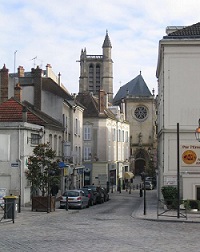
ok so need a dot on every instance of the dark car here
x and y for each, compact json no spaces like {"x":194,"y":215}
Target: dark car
{"x":100,"y":195}
{"x":90,"y":194}
{"x":94,"y":191}
{"x":106,"y":194}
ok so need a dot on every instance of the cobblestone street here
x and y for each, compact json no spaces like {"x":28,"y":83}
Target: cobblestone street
{"x":112,"y":226}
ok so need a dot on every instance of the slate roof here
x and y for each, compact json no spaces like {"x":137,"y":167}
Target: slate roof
{"x":91,"y":106}
{"x":134,"y":88}
{"x":107,"y":42}
{"x":192,"y":31}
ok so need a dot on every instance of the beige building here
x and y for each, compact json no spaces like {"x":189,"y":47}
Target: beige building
{"x":138,"y":104}
{"x":105,"y":141}
{"x":178,"y":105}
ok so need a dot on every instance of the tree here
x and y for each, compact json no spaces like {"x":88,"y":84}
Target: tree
{"x":43,"y":171}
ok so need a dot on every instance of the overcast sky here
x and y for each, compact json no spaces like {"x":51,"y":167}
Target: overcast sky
{"x":55,"y":31}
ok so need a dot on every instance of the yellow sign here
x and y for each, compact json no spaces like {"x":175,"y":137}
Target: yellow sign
{"x":190,"y":155}
{"x":65,"y":171}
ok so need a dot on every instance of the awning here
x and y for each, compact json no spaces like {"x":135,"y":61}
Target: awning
{"x":128,"y":175}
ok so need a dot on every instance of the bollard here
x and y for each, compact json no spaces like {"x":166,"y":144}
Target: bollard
{"x":19,"y":204}
{"x":141,"y":193}
{"x":66,"y":205}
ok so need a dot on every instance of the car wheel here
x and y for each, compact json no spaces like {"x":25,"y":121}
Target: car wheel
{"x":81,"y":207}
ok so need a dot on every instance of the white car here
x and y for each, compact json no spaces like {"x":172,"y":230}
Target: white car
{"x":2,"y":195}
{"x":76,"y":199}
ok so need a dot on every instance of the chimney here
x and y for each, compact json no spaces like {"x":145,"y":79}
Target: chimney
{"x":59,"y":79}
{"x":24,"y":114}
{"x":20,"y":71}
{"x":37,"y":81}
{"x":48,"y":70}
{"x":18,"y":92}
{"x":3,"y":84}
{"x":101,"y":101}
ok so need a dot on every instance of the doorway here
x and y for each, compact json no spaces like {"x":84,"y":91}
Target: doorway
{"x":198,"y":193}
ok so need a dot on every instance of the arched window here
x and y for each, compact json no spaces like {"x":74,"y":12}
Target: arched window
{"x":91,"y":78}
{"x":98,"y":79}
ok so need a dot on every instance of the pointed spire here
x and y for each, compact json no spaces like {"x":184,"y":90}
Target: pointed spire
{"x":107,"y":42}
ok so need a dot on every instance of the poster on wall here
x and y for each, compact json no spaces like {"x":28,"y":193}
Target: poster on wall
{"x":190,"y":155}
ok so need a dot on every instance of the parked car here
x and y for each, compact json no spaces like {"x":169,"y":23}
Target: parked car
{"x":148,"y":185}
{"x":94,"y":190}
{"x":106,"y":194}
{"x":152,"y":180}
{"x":100,"y":195}
{"x":2,"y":195}
{"x":90,"y":194}
{"x":76,"y":199}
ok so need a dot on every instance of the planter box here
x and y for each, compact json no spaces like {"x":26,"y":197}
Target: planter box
{"x":40,"y":203}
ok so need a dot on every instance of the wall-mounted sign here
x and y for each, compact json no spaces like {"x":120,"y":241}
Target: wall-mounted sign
{"x":190,"y":155}
{"x":14,"y":165}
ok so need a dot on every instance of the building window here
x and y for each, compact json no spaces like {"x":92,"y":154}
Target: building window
{"x":141,"y":113}
{"x":126,"y":136}
{"x":122,"y":135}
{"x":114,"y":134}
{"x":76,"y":127}
{"x":35,"y":139}
{"x":91,"y":77}
{"x":87,"y":153}
{"x":119,"y":135}
{"x":55,"y":144}
{"x":87,"y":132}
{"x":98,"y":78}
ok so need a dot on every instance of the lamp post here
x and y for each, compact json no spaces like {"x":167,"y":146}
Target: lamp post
{"x":144,"y":187}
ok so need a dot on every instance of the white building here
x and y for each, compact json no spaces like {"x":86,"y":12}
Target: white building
{"x":178,"y":104}
{"x":49,"y":107}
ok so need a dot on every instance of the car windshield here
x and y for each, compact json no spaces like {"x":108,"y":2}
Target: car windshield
{"x":72,"y":194}
{"x":86,"y":191}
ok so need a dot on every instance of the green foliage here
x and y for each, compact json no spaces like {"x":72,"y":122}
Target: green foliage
{"x":192,"y":204}
{"x":170,"y":195}
{"x":43,"y":171}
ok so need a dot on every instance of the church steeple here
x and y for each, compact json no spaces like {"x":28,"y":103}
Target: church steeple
{"x":107,"y":42}
{"x":96,"y":71}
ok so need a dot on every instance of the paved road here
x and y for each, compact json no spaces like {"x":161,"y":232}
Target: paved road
{"x":105,"y":227}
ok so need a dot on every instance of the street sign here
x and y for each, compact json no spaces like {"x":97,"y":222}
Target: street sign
{"x":14,"y":165}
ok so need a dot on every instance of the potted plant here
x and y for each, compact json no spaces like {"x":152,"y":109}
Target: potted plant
{"x":43,"y":172}
{"x":170,"y":195}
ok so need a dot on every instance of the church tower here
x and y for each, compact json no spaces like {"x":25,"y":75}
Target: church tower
{"x":96,"y":71}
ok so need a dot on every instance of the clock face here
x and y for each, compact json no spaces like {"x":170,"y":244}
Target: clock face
{"x":141,"y":113}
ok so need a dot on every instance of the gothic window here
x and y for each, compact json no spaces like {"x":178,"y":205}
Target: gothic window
{"x":97,"y":77}
{"x":91,"y":77}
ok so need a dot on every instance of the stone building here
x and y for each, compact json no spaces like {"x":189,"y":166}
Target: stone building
{"x":96,"y":71}
{"x":135,"y":99}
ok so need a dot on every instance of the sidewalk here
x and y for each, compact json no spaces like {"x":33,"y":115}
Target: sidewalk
{"x":155,"y":213}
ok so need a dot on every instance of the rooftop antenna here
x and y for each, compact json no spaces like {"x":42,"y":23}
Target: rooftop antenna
{"x":14,"y":65}
{"x":34,"y":61}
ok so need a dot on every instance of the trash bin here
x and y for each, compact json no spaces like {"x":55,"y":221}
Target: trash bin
{"x":10,"y":207}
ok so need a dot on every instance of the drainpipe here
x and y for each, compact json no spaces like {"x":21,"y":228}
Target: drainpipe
{"x":20,"y":168}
